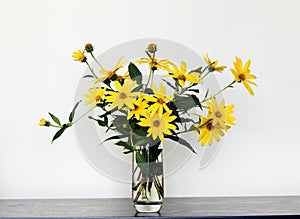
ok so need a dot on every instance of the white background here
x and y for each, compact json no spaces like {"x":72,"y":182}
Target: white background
{"x":259,"y":156}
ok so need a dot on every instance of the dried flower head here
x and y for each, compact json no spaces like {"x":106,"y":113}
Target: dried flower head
{"x":89,"y":47}
{"x":152,"y":48}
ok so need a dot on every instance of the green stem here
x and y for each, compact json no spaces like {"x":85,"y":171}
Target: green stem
{"x":151,"y":72}
{"x":83,"y":115}
{"x":207,"y":71}
{"x":55,"y":126}
{"x":205,"y":75}
{"x":220,"y":91}
{"x":185,"y":89}
{"x":96,"y":60}
{"x":92,"y":71}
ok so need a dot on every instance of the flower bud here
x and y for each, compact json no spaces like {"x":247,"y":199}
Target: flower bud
{"x":152,"y":48}
{"x":89,"y":47}
{"x":44,"y":122}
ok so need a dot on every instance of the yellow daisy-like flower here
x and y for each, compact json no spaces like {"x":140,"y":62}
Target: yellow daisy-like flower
{"x":125,"y":76}
{"x":158,"y":124}
{"x":154,"y":64}
{"x":208,"y":131}
{"x":213,"y":65}
{"x":107,"y":74}
{"x":79,"y":56}
{"x":123,"y":96}
{"x":159,"y":100}
{"x":94,"y":96}
{"x":182,"y":76}
{"x":44,"y":122}
{"x":140,"y":108}
{"x":242,"y":74}
{"x":220,"y":114}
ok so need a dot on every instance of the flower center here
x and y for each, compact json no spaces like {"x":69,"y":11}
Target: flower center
{"x":156,"y":123}
{"x":242,"y":77}
{"x":160,"y":100}
{"x":98,"y":98}
{"x":110,"y":73}
{"x":209,"y":126}
{"x":181,"y":77}
{"x":122,"y":96}
{"x":211,"y":69}
{"x":218,"y":114}
{"x":136,"y":107}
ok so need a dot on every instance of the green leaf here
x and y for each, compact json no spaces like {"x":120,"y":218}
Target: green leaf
{"x":194,"y":90}
{"x":71,"y":116}
{"x":156,"y":168}
{"x":142,"y":141}
{"x":142,"y":163}
{"x":113,"y":138}
{"x":127,"y":146}
{"x":121,"y":124}
{"x":141,"y":131}
{"x":168,"y":83}
{"x":181,"y":141}
{"x":187,"y":144}
{"x":103,"y":123}
{"x":186,"y":102}
{"x":88,"y":76}
{"x":135,"y":73}
{"x":206,"y":94}
{"x":108,"y":113}
{"x":138,"y":88}
{"x":199,"y":70}
{"x":59,"y":133}
{"x":55,"y":119}
{"x":185,"y":120}
{"x":148,"y":91}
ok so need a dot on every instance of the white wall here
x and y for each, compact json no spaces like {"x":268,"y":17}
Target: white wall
{"x":260,"y":156}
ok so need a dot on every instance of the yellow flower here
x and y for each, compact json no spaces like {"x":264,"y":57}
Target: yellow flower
{"x":79,"y":56}
{"x":125,"y":76}
{"x":123,"y":95}
{"x":94,"y":96}
{"x":220,"y":114}
{"x":242,"y":74}
{"x":155,"y":64}
{"x":107,"y":74}
{"x":159,"y":100}
{"x":208,"y":131}
{"x":44,"y":122}
{"x":158,"y":124}
{"x":182,"y":76}
{"x":213,"y":65}
{"x":140,"y":108}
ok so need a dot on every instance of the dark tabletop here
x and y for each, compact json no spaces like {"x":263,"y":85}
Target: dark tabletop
{"x":204,"y":207}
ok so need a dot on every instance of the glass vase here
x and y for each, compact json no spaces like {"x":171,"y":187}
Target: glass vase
{"x":147,"y":179}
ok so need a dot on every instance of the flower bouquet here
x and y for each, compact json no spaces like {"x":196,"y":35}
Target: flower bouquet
{"x":140,"y":114}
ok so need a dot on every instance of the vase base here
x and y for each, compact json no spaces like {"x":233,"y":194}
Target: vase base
{"x":147,"y":207}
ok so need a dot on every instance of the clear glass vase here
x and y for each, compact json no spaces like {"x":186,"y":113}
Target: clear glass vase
{"x":147,"y":179}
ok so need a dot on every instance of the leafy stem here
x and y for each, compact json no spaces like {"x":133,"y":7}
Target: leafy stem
{"x":151,"y":71}
{"x":220,"y":91}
